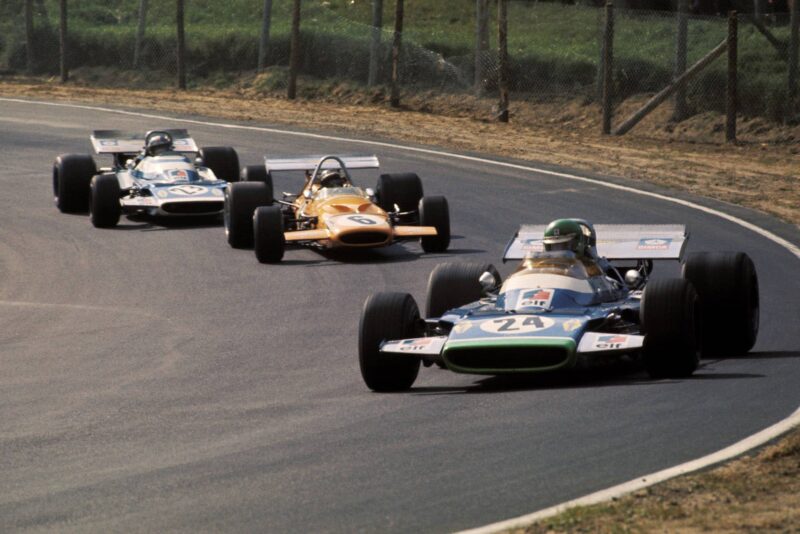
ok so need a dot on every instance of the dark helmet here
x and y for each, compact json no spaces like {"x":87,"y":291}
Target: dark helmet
{"x":331,"y":179}
{"x":157,"y":142}
{"x":566,"y":234}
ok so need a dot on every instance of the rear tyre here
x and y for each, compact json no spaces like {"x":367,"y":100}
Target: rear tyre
{"x":729,"y":302}
{"x":104,"y":206}
{"x":452,"y":285}
{"x":433,"y":211}
{"x":269,"y":241}
{"x":257,"y":173}
{"x":403,"y":189}
{"x":241,"y":201}
{"x":387,"y":316}
{"x":670,"y":315}
{"x":223,"y":162}
{"x":72,"y":174}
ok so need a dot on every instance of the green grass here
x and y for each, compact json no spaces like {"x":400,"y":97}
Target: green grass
{"x":554,"y":48}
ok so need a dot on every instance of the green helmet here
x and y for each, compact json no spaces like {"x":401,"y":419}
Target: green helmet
{"x":565,"y":234}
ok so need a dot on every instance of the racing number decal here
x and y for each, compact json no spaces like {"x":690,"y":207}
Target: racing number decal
{"x":517,"y":325}
{"x":361,"y":220}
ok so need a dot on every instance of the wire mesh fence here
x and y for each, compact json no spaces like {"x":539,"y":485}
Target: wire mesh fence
{"x":554,"y":49}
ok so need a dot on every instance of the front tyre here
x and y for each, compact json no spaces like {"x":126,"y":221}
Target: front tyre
{"x":729,"y":301}
{"x":670,"y":313}
{"x":452,"y":285}
{"x":223,"y":162}
{"x":433,"y":211}
{"x":104,"y":206}
{"x":387,"y":316}
{"x":268,"y":238}
{"x":241,"y":201}
{"x":72,"y":174}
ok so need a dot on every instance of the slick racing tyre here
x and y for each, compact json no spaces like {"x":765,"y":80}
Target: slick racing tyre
{"x":241,"y":201}
{"x":728,"y":288}
{"x":71,"y":176}
{"x":670,"y":315}
{"x":387,"y":316}
{"x":433,"y":211}
{"x":223,"y":162}
{"x":257,"y":173}
{"x":403,"y":189}
{"x":452,"y":285}
{"x":104,"y":206}
{"x":268,"y":239}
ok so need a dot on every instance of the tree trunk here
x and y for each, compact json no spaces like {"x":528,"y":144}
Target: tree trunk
{"x":481,"y":43}
{"x":294,"y":53}
{"x":375,"y":44}
{"x":397,"y":48}
{"x":263,"y":45}
{"x":62,"y":37}
{"x":140,"y":28}
{"x":502,"y":45}
{"x":181,"y":45}
{"x":680,"y":111}
{"x":29,"y":54}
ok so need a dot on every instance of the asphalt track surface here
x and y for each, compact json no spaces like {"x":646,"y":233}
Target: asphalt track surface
{"x":154,"y":379}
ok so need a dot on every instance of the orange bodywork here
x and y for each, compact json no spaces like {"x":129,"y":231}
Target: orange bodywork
{"x":345,"y":217}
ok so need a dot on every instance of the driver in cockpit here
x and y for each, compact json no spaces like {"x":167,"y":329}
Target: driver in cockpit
{"x":578,"y":236}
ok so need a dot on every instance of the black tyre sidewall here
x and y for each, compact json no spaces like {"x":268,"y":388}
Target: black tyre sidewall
{"x":104,"y":206}
{"x":72,"y":175}
{"x":452,"y":285}
{"x":223,"y":161}
{"x":403,"y":189}
{"x":241,"y":201}
{"x":434,"y":211}
{"x":268,"y":239}
{"x":387,"y":316}
{"x":670,"y":315}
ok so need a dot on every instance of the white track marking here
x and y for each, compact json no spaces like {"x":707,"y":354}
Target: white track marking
{"x":749,"y":443}
{"x":637,"y":484}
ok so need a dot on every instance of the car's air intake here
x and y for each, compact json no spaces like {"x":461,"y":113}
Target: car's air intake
{"x":506,"y":359}
{"x":193,"y":208}
{"x":364,"y":238}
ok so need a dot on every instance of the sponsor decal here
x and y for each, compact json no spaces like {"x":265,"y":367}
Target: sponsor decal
{"x":610,"y":342}
{"x":654,"y":244}
{"x":180,"y":173}
{"x":572,"y":324}
{"x":519,"y":324}
{"x":462,"y":327}
{"x":108,"y":142}
{"x":538,"y":298}
{"x":412,"y":345}
{"x":187,"y":190}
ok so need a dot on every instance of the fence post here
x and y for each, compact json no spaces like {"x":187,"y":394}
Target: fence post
{"x":397,"y":45}
{"x":481,"y":42}
{"x":608,"y":71}
{"x":794,"y":19}
{"x":140,"y":27}
{"x":29,"y":55}
{"x":62,"y":40}
{"x":731,"y":100}
{"x":375,"y":42}
{"x":181,"y":45}
{"x":680,"y":112}
{"x":294,"y":52}
{"x":263,"y":44}
{"x":502,"y":45}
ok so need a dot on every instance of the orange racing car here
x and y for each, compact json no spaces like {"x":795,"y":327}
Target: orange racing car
{"x":331,"y":211}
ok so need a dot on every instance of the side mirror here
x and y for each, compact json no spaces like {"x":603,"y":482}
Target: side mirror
{"x":307,"y":194}
{"x":370,"y":192}
{"x":488,"y":283}
{"x":198,"y":161}
{"x":129,"y":164}
{"x":633,"y":279}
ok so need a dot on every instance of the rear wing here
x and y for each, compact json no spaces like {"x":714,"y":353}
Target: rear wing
{"x":614,"y":241}
{"x":119,"y":142}
{"x":309,"y":163}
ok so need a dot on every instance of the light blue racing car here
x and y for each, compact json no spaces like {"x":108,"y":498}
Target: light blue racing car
{"x":580,"y":292}
{"x":160,"y":173}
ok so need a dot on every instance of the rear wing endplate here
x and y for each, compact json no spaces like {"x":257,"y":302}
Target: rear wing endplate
{"x":119,"y":142}
{"x":309,"y":163}
{"x":614,"y":241}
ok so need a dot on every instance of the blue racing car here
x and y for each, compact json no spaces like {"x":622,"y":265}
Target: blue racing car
{"x":159,"y":173}
{"x":580,"y":291}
